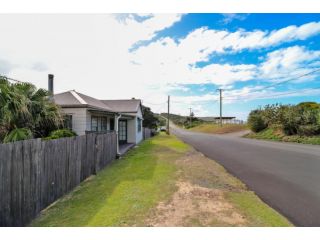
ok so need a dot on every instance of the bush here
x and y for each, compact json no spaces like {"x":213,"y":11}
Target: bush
{"x":18,"y":134}
{"x":309,"y":105}
{"x":291,"y":120}
{"x":193,"y":124}
{"x":256,"y":121}
{"x":308,"y":130}
{"x":61,"y":133}
{"x":302,"y":119}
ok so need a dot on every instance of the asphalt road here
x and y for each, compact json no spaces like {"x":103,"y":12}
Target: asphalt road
{"x":284,"y":175}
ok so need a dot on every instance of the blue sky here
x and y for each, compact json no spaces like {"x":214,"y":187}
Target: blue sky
{"x":186,"y":56}
{"x":239,"y":104}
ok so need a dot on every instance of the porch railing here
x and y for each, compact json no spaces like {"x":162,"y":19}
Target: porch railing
{"x":100,"y":132}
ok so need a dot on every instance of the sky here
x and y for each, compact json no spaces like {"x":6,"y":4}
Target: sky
{"x":257,"y":59}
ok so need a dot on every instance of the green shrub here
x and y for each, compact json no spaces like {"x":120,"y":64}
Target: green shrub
{"x":195,"y":123}
{"x":302,"y":119}
{"x":308,"y":130}
{"x":309,"y":105}
{"x":61,"y":133}
{"x":23,"y":106}
{"x":256,"y":121}
{"x":291,"y":120}
{"x":18,"y":134}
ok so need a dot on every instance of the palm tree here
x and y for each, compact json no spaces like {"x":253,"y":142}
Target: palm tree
{"x":23,"y":106}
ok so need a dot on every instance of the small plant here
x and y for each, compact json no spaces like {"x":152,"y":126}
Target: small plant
{"x":18,"y":134}
{"x":61,"y":133}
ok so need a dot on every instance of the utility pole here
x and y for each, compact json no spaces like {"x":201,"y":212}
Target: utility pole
{"x":220,"y":91}
{"x":190,"y":116}
{"x":168,"y":118}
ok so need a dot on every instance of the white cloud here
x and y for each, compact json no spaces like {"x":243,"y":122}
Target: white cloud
{"x":223,"y":74}
{"x":91,"y":53}
{"x":249,"y":93}
{"x":200,"y":43}
{"x":5,"y":66}
{"x":289,"y":62}
{"x":195,"y":98}
{"x":260,"y":39}
{"x":245,"y":94}
{"x":229,"y":17}
{"x":174,"y":61}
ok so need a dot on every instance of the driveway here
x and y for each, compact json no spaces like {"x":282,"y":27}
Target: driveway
{"x":284,"y":175}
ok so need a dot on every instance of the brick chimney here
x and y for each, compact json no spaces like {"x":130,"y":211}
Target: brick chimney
{"x":50,"y":84}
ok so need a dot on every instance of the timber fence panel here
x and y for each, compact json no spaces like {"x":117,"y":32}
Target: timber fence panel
{"x":35,"y":173}
{"x":85,"y":164}
{"x":147,"y":133}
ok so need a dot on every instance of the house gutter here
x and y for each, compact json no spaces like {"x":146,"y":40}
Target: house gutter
{"x":117,"y":116}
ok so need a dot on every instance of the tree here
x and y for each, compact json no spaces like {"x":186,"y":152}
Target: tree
{"x":24,"y":107}
{"x":149,"y":120}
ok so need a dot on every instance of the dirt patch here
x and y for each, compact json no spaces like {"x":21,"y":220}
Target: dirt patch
{"x":195,"y":205}
{"x":199,"y":170}
{"x":200,"y":196}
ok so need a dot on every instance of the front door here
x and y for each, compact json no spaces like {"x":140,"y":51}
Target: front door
{"x":123,"y":131}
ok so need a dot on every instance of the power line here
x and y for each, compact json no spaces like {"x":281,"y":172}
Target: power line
{"x":289,"y":80}
{"x":156,"y":103}
{"x":276,"y":95}
{"x":186,"y":102}
{"x":158,"y":109}
{"x":288,"y":93}
{"x":11,"y":79}
{"x":279,"y":83}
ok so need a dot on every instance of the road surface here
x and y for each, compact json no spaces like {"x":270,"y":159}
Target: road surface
{"x":284,"y":175}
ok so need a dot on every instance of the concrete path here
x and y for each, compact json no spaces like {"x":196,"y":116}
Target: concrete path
{"x":284,"y":175}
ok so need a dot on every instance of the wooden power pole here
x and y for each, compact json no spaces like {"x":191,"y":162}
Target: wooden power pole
{"x":220,"y":91}
{"x":168,"y":118}
{"x":190,"y":120}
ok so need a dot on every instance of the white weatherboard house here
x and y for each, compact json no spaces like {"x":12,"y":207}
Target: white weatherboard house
{"x":84,"y":114}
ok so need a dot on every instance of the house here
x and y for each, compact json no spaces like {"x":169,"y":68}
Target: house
{"x":85,"y":114}
{"x":225,"y":120}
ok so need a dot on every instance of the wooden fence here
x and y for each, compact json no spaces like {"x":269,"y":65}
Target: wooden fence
{"x":34,"y":173}
{"x":147,"y":133}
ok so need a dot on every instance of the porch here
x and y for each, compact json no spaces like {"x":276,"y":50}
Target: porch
{"x":124,"y":126}
{"x":125,"y":147}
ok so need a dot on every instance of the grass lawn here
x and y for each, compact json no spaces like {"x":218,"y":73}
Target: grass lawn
{"x":277,"y":135}
{"x":162,"y":182}
{"x":217,"y":129}
{"x":122,"y":193}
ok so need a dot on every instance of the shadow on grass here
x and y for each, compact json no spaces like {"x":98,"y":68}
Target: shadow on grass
{"x":119,"y":195}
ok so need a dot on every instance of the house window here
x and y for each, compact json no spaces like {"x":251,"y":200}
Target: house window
{"x":112,"y":124}
{"x":94,"y":124}
{"x":67,"y":121}
{"x":104,"y":125}
{"x":99,"y":124}
{"x":139,"y":124}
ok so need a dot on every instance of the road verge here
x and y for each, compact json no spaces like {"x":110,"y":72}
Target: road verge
{"x":162,"y":182}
